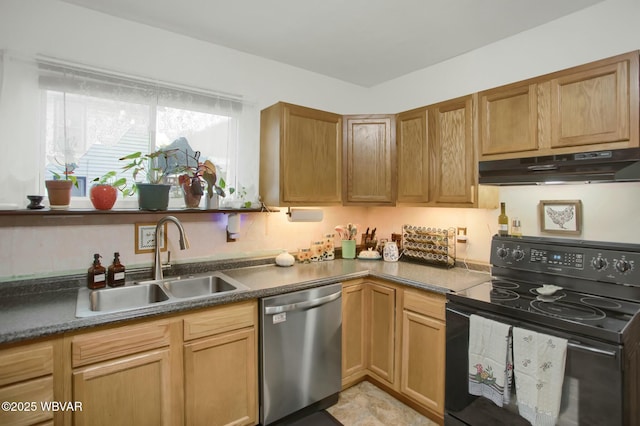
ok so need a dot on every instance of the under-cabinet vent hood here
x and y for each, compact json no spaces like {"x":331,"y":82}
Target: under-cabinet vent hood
{"x":618,"y":165}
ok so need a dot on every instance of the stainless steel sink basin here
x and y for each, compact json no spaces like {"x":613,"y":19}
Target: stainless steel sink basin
{"x":152,"y":293}
{"x":198,"y":286}
{"x":126,"y":297}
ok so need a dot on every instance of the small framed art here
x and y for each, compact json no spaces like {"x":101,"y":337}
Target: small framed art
{"x":561,"y":216}
{"x":146,"y":238}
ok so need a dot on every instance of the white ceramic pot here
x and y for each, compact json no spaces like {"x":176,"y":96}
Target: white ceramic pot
{"x":285,"y":259}
{"x":390,"y":252}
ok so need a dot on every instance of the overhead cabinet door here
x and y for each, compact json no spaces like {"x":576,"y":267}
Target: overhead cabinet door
{"x":591,"y":106}
{"x":369,"y":155}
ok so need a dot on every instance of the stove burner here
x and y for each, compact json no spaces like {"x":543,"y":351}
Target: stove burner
{"x":502,"y":295}
{"x":601,"y":303}
{"x":505,"y":284}
{"x":547,"y":298}
{"x":568,"y":310}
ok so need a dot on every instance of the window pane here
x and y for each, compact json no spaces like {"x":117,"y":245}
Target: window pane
{"x":98,"y":132}
{"x":208,"y":133}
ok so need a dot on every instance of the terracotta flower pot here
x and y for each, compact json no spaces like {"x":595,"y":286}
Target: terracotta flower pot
{"x":103,"y":197}
{"x":59,"y":192}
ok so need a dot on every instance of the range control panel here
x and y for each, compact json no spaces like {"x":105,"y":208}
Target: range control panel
{"x":619,"y":263}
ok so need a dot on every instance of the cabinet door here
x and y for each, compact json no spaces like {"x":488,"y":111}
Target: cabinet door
{"x":593,"y":106}
{"x":369,"y":160}
{"x":413,"y":156}
{"x":353,"y":333}
{"x":381,"y":322}
{"x":311,"y":156}
{"x":508,"y":120}
{"x":423,"y":360}
{"x":221,"y":379}
{"x":135,"y":390}
{"x":26,"y":375}
{"x":452,"y":154}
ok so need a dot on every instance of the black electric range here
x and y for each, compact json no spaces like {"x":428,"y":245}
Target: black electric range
{"x":597,"y":285}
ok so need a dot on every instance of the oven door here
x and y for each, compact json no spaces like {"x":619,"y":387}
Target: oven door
{"x":591,"y":391}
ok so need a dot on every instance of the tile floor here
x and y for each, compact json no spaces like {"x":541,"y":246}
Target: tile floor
{"x":366,"y":405}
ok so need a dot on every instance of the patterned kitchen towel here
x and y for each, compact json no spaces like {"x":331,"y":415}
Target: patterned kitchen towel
{"x":539,"y":362}
{"x":490,"y":366}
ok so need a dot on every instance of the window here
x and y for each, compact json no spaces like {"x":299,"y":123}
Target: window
{"x":90,"y":119}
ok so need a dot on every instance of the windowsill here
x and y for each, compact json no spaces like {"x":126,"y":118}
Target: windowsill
{"x":90,"y":211}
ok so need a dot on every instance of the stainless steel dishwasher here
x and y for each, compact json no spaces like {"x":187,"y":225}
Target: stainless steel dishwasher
{"x":301,"y":351}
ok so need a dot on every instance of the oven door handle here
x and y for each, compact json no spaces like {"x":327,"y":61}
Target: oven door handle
{"x":581,"y":347}
{"x":572,"y":345}
{"x":459,"y":313}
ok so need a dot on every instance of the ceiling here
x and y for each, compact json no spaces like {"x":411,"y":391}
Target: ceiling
{"x":364,"y":42}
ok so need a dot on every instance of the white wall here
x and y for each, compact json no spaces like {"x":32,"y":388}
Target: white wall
{"x":72,"y":33}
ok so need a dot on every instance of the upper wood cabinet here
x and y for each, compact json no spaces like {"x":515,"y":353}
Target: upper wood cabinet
{"x":413,"y":156}
{"x":300,"y":156}
{"x":369,"y":160}
{"x":509,"y":119}
{"x":586,"y":108}
{"x":437,"y":159}
{"x":452,"y":157}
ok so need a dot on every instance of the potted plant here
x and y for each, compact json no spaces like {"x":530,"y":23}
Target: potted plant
{"x":195,"y":176}
{"x":59,"y":189}
{"x":155,"y":168}
{"x":104,"y":191}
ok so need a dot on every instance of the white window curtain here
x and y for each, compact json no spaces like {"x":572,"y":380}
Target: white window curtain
{"x":54,"y":113}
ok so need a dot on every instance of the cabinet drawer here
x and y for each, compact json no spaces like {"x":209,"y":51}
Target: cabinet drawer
{"x":26,"y":362}
{"x":219,"y":320}
{"x":29,"y":395}
{"x":430,"y":304}
{"x":118,"y":342}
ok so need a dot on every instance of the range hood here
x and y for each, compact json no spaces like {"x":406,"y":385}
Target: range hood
{"x":618,"y":165}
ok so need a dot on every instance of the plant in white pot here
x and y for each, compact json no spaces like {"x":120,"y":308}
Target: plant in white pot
{"x":59,"y":189}
{"x":155,"y":167}
{"x":195,"y":176}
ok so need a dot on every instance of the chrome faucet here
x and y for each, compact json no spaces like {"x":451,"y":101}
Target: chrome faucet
{"x":184,"y":244}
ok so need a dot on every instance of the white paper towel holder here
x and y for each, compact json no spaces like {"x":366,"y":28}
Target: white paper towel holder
{"x":304,"y":215}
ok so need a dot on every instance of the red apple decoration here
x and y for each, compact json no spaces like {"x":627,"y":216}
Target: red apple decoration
{"x":103,"y":197}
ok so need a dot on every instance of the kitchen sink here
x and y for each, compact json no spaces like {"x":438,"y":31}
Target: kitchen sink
{"x":152,"y":293}
{"x":198,"y":286}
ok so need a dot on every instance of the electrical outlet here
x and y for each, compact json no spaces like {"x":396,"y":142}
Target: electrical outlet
{"x":462,"y":235}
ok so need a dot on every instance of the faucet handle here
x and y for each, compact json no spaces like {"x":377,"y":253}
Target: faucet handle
{"x":168,"y":264}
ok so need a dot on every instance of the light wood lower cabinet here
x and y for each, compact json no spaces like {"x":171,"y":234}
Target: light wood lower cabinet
{"x":128,"y":375}
{"x":129,"y":390}
{"x":27,"y":382}
{"x":221,"y":375}
{"x":395,"y":337}
{"x":354,"y":362}
{"x":423,"y":349}
{"x":368,"y":332}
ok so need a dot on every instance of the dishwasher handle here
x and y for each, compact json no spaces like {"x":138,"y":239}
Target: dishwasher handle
{"x":270,"y":310}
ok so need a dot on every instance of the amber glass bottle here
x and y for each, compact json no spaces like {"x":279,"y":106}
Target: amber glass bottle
{"x":97,"y":274}
{"x":115,"y":273}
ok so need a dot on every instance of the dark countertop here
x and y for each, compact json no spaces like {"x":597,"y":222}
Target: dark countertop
{"x":29,"y":311}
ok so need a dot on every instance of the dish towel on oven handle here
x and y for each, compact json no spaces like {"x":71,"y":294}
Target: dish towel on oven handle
{"x":539,"y":362}
{"x":490,"y":365}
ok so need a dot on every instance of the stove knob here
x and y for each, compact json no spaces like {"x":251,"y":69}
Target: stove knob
{"x":623,"y":266}
{"x":502,"y":252}
{"x":599,"y":263}
{"x":518,"y":254}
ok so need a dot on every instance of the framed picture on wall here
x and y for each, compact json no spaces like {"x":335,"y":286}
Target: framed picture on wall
{"x":561,"y":216}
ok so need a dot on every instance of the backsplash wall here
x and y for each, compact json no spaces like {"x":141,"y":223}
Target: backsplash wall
{"x":609,"y":214}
